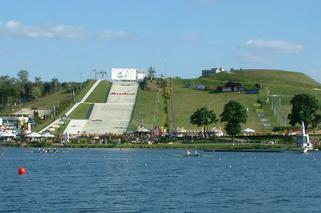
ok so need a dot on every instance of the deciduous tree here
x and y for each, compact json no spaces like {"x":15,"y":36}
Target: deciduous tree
{"x":203,"y":117}
{"x":234,"y":114}
{"x":305,"y":108}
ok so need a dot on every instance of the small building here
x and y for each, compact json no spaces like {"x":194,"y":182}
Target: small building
{"x":200,"y":87}
{"x":227,"y":89}
{"x":232,"y":87}
{"x":211,"y":87}
{"x":188,"y":85}
{"x":10,"y":123}
{"x":30,"y":112}
{"x":140,"y":75}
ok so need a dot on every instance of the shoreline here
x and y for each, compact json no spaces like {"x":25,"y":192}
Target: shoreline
{"x":207,"y":147}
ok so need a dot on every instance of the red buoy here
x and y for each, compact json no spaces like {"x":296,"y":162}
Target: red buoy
{"x":22,"y":170}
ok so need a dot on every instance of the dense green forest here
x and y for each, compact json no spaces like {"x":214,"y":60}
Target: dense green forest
{"x":15,"y":91}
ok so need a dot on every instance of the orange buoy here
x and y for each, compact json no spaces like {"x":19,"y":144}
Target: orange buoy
{"x":22,"y":170}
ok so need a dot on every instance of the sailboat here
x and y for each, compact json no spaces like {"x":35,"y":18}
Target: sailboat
{"x":304,"y":140}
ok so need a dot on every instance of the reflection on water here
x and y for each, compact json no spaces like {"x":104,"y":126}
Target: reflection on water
{"x":136,"y":180}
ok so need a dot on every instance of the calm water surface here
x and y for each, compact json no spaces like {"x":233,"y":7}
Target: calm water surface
{"x":137,"y":180}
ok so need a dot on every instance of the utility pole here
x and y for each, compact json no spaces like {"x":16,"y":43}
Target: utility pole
{"x":94,"y":70}
{"x":102,"y":74}
{"x":81,"y":76}
{"x":54,"y":111}
{"x":154,"y":119}
{"x":142,"y":114}
{"x":156,"y":108}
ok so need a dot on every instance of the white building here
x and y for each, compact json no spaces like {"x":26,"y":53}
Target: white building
{"x":127,"y":74}
{"x":212,"y":71}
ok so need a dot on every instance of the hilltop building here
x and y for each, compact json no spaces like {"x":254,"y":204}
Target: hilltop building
{"x":212,"y":71}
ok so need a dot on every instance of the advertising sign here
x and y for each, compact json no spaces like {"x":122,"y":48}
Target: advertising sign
{"x":127,"y":74}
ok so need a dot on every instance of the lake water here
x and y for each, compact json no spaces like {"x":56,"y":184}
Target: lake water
{"x":138,"y":180}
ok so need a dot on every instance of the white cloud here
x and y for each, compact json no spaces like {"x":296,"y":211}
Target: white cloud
{"x":111,"y":35}
{"x":57,"y":31}
{"x":275,"y":45}
{"x":12,"y":25}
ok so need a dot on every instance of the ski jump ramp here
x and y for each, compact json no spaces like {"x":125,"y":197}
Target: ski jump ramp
{"x":114,"y":115}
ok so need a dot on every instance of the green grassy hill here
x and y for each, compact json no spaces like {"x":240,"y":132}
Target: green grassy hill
{"x":100,"y":94}
{"x":82,"y":111}
{"x":278,"y":88}
{"x":49,"y":101}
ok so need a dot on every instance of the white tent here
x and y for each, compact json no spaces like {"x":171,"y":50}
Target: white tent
{"x":214,"y":129}
{"x":142,"y":130}
{"x":7,"y":135}
{"x":48,"y":135}
{"x":180,"y":130}
{"x":34,"y":135}
{"x":217,"y":132}
{"x":248,"y":130}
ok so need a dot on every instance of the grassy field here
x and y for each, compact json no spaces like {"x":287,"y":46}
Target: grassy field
{"x":47,"y":102}
{"x":187,"y":100}
{"x":100,"y":94}
{"x":82,"y":111}
{"x":147,"y":103}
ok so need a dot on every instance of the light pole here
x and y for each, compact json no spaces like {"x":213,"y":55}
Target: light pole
{"x":94,"y":70}
{"x":142,"y":114}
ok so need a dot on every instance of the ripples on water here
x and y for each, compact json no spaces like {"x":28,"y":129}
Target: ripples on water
{"x":134,"y":180}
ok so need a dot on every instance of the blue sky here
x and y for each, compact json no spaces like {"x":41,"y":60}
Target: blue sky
{"x":177,"y":37}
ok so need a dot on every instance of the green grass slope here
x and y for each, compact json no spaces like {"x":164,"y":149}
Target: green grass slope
{"x":148,"y":102}
{"x":267,"y":76}
{"x":100,"y":94}
{"x":82,"y":111}
{"x":284,"y":84}
{"x":47,"y":102}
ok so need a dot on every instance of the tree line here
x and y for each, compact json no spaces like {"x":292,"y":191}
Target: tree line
{"x":234,"y":114}
{"x":20,"y":89}
{"x":305,"y":108}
